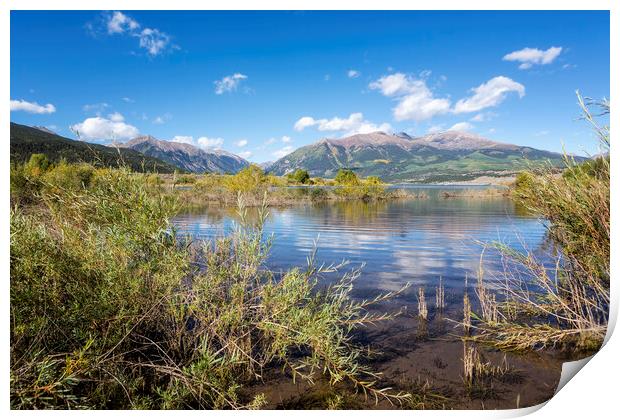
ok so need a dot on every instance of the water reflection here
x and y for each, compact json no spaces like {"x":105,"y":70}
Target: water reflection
{"x":404,"y":241}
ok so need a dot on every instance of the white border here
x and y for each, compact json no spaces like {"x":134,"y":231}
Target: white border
{"x":592,"y":394}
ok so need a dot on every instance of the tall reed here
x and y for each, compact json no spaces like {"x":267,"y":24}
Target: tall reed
{"x":422,"y":308}
{"x":567,"y":304}
{"x":440,"y":299}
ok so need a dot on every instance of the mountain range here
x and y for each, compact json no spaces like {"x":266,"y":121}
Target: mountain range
{"x":27,"y":140}
{"x":186,"y":156}
{"x":144,"y":153}
{"x":437,"y":157}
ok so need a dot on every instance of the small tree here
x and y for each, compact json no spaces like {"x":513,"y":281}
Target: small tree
{"x":247,"y":179}
{"x":300,"y":176}
{"x":346,"y":177}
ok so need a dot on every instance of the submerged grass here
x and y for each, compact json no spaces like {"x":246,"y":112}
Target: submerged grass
{"x":110,"y":309}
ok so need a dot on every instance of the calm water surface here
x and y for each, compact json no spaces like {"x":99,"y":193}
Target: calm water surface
{"x":400,"y":241}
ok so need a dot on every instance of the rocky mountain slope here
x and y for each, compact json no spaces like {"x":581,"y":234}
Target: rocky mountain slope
{"x":187,"y":156}
{"x":445,"y":156}
{"x":27,"y":140}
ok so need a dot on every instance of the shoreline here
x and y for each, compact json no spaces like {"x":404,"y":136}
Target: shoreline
{"x":191,"y":199}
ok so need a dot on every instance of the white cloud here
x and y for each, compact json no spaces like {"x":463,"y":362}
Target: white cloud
{"x":303,"y":123}
{"x":425,"y":74}
{"x":489,"y":94}
{"x":354,"y":124}
{"x":270,"y":141}
{"x":128,"y":100}
{"x":531,"y":56}
{"x":542,"y":133}
{"x":229,"y":83}
{"x":483,"y":116}
{"x":98,"y":108}
{"x":116,"y":117}
{"x":246,"y":154}
{"x":435,"y":129}
{"x":102,"y":128}
{"x":152,"y":40}
{"x":461,"y":126}
{"x":162,"y":119}
{"x":183,"y":139}
{"x":339,"y":124}
{"x":31,"y":107}
{"x":280,"y":153}
{"x":210,"y":143}
{"x":326,"y":77}
{"x":241,"y":143}
{"x":119,"y":22}
{"x":394,"y":84}
{"x":420,"y":106}
{"x":353,"y":74}
{"x":415,"y":100}
{"x":286,"y":139}
{"x":205,"y":143}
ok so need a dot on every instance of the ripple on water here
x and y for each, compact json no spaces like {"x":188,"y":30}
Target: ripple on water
{"x":415,"y":241}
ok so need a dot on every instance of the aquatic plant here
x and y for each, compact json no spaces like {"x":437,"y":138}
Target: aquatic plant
{"x":479,"y":374}
{"x":466,"y":314}
{"x":568,"y":304}
{"x":422,"y":308}
{"x":440,"y":299}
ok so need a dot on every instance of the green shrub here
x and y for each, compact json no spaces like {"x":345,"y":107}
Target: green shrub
{"x":37,"y":165}
{"x":109,"y":309}
{"x":346,"y":177}
{"x":26,"y":180}
{"x":246,"y":180}
{"x":186,"y":179}
{"x":300,"y":176}
{"x":68,"y":176}
{"x":23,"y":188}
{"x":373,"y":180}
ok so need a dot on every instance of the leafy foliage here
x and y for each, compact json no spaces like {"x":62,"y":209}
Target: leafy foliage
{"x":246,"y":180}
{"x":110,"y":309}
{"x":346,"y":177}
{"x":300,"y":176}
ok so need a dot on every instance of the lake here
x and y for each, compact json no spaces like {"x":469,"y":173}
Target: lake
{"x":417,"y":241}
{"x":399,"y":241}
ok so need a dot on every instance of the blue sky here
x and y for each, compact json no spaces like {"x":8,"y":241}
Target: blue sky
{"x":261,"y":84}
